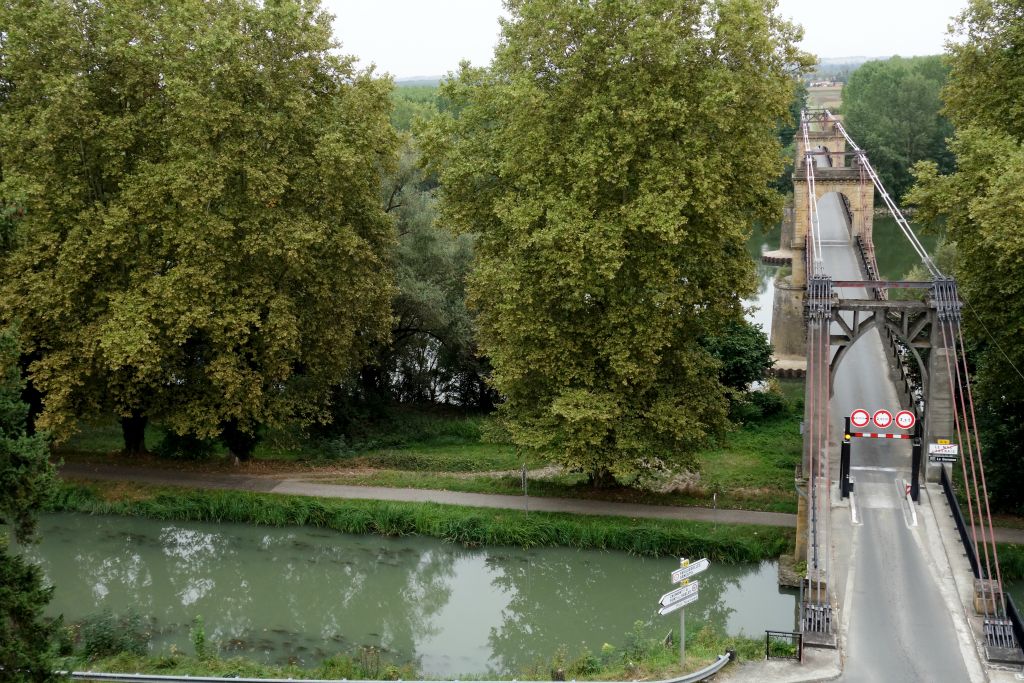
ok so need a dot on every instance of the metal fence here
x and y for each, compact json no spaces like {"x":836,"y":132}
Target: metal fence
{"x":784,"y":645}
{"x":958,"y":517}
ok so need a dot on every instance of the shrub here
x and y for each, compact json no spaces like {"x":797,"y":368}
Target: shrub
{"x":105,"y":635}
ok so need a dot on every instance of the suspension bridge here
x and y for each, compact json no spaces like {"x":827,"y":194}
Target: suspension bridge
{"x":835,"y":320}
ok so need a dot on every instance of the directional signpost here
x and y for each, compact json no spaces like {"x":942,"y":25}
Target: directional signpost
{"x":685,"y":572}
{"x":679,"y":598}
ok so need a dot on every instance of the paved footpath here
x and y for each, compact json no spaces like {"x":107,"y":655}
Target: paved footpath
{"x":299,"y":487}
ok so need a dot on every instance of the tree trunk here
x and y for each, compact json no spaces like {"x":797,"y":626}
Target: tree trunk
{"x":602,"y":479}
{"x":133,"y":428}
{"x":240,"y":444}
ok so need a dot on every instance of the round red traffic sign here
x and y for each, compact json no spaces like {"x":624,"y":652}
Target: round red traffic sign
{"x":860,"y":418}
{"x":905,"y":419}
{"x":882,"y":418}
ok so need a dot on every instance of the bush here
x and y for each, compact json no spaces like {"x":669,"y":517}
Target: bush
{"x":183,"y":447}
{"x":105,"y":635}
{"x":754,"y":406}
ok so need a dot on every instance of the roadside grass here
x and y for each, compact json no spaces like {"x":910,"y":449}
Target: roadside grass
{"x":456,"y":524}
{"x":640,"y":656}
{"x":1011,"y":561}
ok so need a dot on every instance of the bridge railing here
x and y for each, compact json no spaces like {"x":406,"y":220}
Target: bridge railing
{"x":1014,"y":615}
{"x":961,"y":526}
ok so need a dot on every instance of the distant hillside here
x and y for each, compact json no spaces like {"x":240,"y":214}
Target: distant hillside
{"x":412,"y":81}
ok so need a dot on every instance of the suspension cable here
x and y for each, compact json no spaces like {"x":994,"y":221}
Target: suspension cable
{"x":893,"y":208}
{"x":984,"y":488}
{"x":812,"y":197}
{"x":946,"y":310}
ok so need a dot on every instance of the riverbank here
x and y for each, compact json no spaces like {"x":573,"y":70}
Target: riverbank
{"x":640,"y":657}
{"x":457,"y":524}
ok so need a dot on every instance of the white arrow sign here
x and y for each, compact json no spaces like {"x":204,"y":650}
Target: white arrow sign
{"x":688,"y":570}
{"x":677,"y":605}
{"x":678,"y":594}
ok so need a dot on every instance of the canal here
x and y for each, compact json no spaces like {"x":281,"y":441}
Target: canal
{"x":303,"y":594}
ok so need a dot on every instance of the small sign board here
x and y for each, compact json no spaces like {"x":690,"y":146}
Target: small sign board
{"x":944,"y":449}
{"x":681,"y":593}
{"x":689,"y":569}
{"x":943,"y":458}
{"x":943,"y":442}
{"x":860,"y":418}
{"x":677,"y":605}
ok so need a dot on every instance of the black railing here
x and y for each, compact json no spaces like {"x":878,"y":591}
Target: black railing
{"x":1014,"y":616}
{"x":958,"y":517}
{"x":783,"y":645}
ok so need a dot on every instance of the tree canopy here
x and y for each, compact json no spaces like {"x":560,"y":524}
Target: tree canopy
{"x":892,"y":107}
{"x":982,"y":205}
{"x":611,"y":187}
{"x":200,"y":236}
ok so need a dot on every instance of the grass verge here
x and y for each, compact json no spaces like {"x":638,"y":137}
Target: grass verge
{"x":456,"y":524}
{"x":639,"y":657}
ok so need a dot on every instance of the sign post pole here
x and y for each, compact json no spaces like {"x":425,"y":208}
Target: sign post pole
{"x":682,"y":621}
{"x":682,"y":637}
{"x":844,"y":463}
{"x":915,"y":464}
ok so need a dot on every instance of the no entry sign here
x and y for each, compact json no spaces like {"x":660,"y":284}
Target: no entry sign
{"x":882,"y":419}
{"x":860,"y":418}
{"x":905,"y":419}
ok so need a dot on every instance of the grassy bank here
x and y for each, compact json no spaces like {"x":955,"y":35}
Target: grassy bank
{"x":1011,"y":561}
{"x":640,"y":656}
{"x":468,"y":526}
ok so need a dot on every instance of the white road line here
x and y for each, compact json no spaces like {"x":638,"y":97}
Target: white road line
{"x":854,"y":517}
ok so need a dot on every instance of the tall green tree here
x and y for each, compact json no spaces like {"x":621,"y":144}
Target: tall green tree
{"x":611,"y":163}
{"x":26,"y":481}
{"x":982,"y":205}
{"x":892,"y":107}
{"x":202,"y":238}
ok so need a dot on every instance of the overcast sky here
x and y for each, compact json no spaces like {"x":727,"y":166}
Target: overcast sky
{"x":428,"y":37}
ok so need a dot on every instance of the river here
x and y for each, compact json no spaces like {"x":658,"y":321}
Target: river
{"x":895,"y":259}
{"x":303,"y":594}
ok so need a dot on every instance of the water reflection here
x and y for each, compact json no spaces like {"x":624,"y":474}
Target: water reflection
{"x":302,"y":595}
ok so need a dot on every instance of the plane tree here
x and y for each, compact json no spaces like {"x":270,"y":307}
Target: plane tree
{"x":200,"y":237}
{"x":981,"y":205}
{"x":611,"y":163}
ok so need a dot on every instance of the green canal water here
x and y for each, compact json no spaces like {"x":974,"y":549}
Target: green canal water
{"x":300,"y":594}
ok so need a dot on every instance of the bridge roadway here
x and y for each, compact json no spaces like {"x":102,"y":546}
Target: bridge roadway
{"x":899,"y":627}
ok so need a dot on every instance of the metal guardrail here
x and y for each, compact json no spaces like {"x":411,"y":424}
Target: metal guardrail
{"x":958,"y":517}
{"x":1014,"y":615}
{"x":694,"y":677}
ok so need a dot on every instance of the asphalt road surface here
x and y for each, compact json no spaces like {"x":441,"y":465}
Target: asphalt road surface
{"x":900,"y":628}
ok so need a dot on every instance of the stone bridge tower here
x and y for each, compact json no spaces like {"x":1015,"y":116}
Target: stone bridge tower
{"x":835,"y":171}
